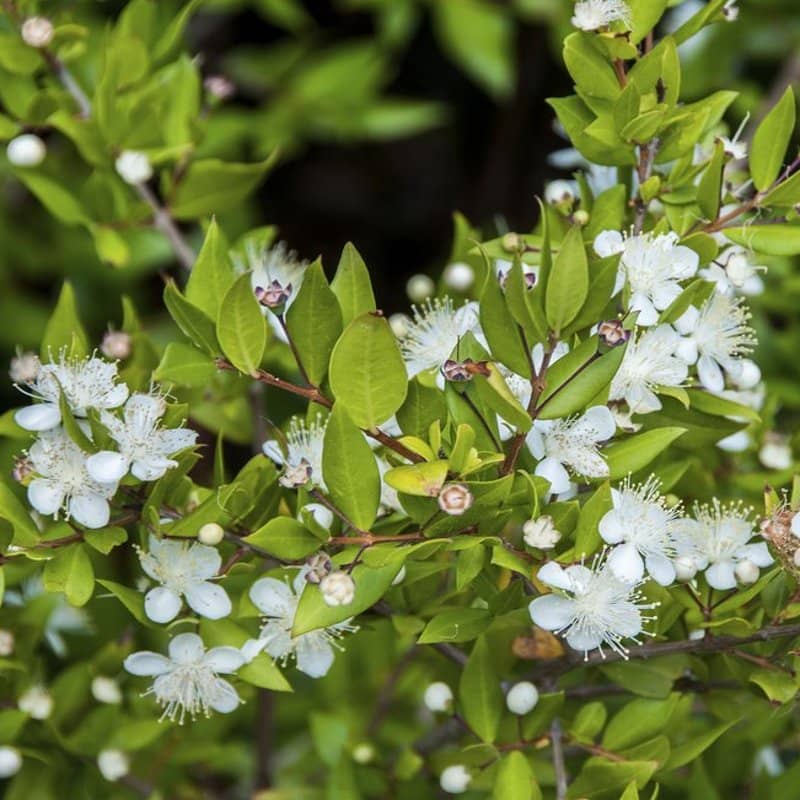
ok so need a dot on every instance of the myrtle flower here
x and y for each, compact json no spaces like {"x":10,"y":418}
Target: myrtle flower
{"x":434,"y":334}
{"x":716,"y":338}
{"x":275,"y":275}
{"x":86,"y":383}
{"x":718,"y":540}
{"x":303,"y":454}
{"x":733,"y":272}
{"x":643,"y":528}
{"x":63,"y":482}
{"x":144,"y":447}
{"x":573,"y":443}
{"x":502,"y":268}
{"x":651,"y":266}
{"x":595,"y":609}
{"x":184,"y":569}
{"x":188,"y":680}
{"x":649,"y":362}
{"x":598,"y":177}
{"x":736,"y":148}
{"x":313,"y":651}
{"x":590,"y":15}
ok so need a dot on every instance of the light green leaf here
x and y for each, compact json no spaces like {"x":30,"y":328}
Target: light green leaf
{"x":420,"y":480}
{"x":26,"y":534}
{"x":212,"y":274}
{"x":639,"y":450}
{"x":568,"y":283}
{"x":185,"y":365}
{"x":458,"y":625}
{"x":106,"y":539}
{"x":515,"y":779}
{"x":241,"y":327}
{"x":480,"y":694}
{"x":70,"y":572}
{"x":352,"y":285}
{"x":772,"y":240}
{"x":284,"y":537}
{"x":709,"y":190}
{"x":771,"y":140}
{"x":64,"y":330}
{"x":688,"y":751}
{"x":590,"y":69}
{"x":130,"y":598}
{"x":194,"y":322}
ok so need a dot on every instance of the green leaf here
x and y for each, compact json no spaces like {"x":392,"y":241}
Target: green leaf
{"x":371,"y":584}
{"x":55,"y":198}
{"x":515,"y":779}
{"x":194,"y":322}
{"x":130,"y":598}
{"x":284,"y":537}
{"x":646,"y":14}
{"x":105,"y":540}
{"x":638,"y":451}
{"x":587,"y":538}
{"x":771,"y":140}
{"x":419,"y":480}
{"x":495,"y":393}
{"x":212,"y":274}
{"x":352,"y":285}
{"x":786,"y":193}
{"x":599,"y":777}
{"x":73,"y":430}
{"x":641,"y":719}
{"x":698,"y":21}
{"x":480,"y":694}
{"x":422,"y":407}
{"x":70,"y":572}
{"x":590,"y":69}
{"x":458,"y":625}
{"x":314,"y":322}
{"x":687,"y":752}
{"x":367,"y":373}
{"x":185,"y":365}
{"x":241,"y":327}
{"x":709,"y":190}
{"x":568,"y":283}
{"x":505,"y":341}
{"x":64,"y":330}
{"x":26,"y":534}
{"x":779,"y":687}
{"x":772,"y":240}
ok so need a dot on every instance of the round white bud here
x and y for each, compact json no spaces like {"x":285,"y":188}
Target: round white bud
{"x":133,"y":167}
{"x":541,"y":533}
{"x":37,"y":32}
{"x":557,"y":192}
{"x":581,"y":217}
{"x":455,"y":779}
{"x":36,"y":702}
{"x":10,"y":761}
{"x":459,"y":276}
{"x":685,"y":568}
{"x":399,"y":324}
{"x":24,"y":367}
{"x":522,"y":698}
{"x":696,"y":634}
{"x":438,"y":697}
{"x":113,"y":764}
{"x":6,"y":643}
{"x":116,"y":344}
{"x":321,"y":514}
{"x":455,"y":499}
{"x":211,"y":534}
{"x":749,"y":374}
{"x":776,"y":452}
{"x":106,"y":690}
{"x":363,"y":753}
{"x":26,"y":150}
{"x":420,"y":287}
{"x":338,"y":589}
{"x":747,"y":572}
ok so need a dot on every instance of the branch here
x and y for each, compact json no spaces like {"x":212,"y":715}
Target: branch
{"x":558,"y":759}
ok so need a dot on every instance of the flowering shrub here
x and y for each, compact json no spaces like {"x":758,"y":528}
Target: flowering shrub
{"x":493,"y":547}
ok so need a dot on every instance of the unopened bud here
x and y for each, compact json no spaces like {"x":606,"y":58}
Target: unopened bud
{"x":37,"y":32}
{"x":319,"y":567}
{"x":459,"y":276}
{"x":10,"y":761}
{"x":541,"y":533}
{"x":133,"y":167}
{"x":24,"y":367}
{"x":363,"y":753}
{"x":747,"y":572}
{"x":685,"y":568}
{"x":438,"y":697}
{"x":511,"y":242}
{"x":106,"y":690}
{"x":465,"y":370}
{"x":730,"y":11}
{"x":455,"y":499}
{"x":522,"y":698}
{"x":455,"y":779}
{"x":26,"y":150}
{"x":581,"y":217}
{"x":219,"y":87}
{"x":275,"y":295}
{"x":399,"y":323}
{"x":36,"y":702}
{"x":612,"y":333}
{"x":116,"y":345}
{"x":338,"y":589}
{"x":559,"y":192}
{"x":113,"y":764}
{"x":420,"y":287}
{"x":6,"y":643}
{"x":776,"y":452}
{"x":211,"y":534}
{"x":298,"y":475}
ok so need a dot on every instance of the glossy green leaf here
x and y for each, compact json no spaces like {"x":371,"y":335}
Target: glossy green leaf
{"x":64,"y":330}
{"x":515,"y":779}
{"x":241,"y":327}
{"x":352,"y":285}
{"x":70,"y":572}
{"x":212,"y":274}
{"x":194,"y":322}
{"x":771,"y":140}
{"x":568,"y":284}
{"x":284,"y":537}
{"x":639,"y":450}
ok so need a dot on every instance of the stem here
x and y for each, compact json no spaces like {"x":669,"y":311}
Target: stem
{"x":295,"y":352}
{"x":558,"y":759}
{"x":164,"y":222}
{"x":68,"y":81}
{"x":644,"y":169}
{"x":370,"y":539}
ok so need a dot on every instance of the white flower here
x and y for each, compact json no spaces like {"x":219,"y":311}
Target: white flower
{"x":776,"y":452}
{"x":716,"y":338}
{"x":37,"y":31}
{"x":86,"y":383}
{"x":10,"y":761}
{"x":455,"y":499}
{"x":36,"y":702}
{"x":116,"y":345}
{"x":649,"y":362}
{"x":541,"y":533}
{"x":734,"y":272}
{"x":399,"y":323}
{"x":503,"y":267}
{"x":184,"y":569}
{"x":438,"y":697}
{"x":24,"y":367}
{"x":276,"y":275}
{"x":188,"y":681}
{"x":651,"y":267}
{"x":735,"y":148}
{"x":113,"y":764}
{"x":522,"y":698}
{"x":595,"y":609}
{"x":133,"y":167}
{"x":303,"y":450}
{"x":144,"y":447}
{"x":718,"y":539}
{"x":521,"y":387}
{"x":106,"y":690}
{"x":26,"y":150}
{"x":573,"y":443}
{"x":278,"y":601}
{"x":338,"y":589}
{"x":455,"y":779}
{"x":644,"y":531}
{"x":7,"y":643}
{"x":434,"y":334}
{"x":420,"y":287}
{"x":459,"y":276}
{"x":63,"y":482}
{"x":593,"y":14}
{"x":390,"y":500}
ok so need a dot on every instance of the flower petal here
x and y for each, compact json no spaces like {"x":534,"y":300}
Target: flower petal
{"x":553,"y":471}
{"x":147,"y":663}
{"x":710,"y":374}
{"x":553,"y":574}
{"x":552,"y":612}
{"x":608,"y":243}
{"x":314,"y":655}
{"x":90,"y":509}
{"x":38,"y":417}
{"x":224,"y":659}
{"x":107,"y":466}
{"x":186,"y":648}
{"x":224,"y":700}
{"x":758,"y":553}
{"x":272,"y":597}
{"x":152,"y":467}
{"x":208,"y":600}
{"x":583,"y":640}
{"x":612,"y":527}
{"x":626,"y":563}
{"x":661,"y":569}
{"x":721,"y":575}
{"x":162,"y":604}
{"x":45,"y":496}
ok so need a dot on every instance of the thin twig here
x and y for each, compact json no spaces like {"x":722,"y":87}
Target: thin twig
{"x":164,"y":222}
{"x":558,"y":759}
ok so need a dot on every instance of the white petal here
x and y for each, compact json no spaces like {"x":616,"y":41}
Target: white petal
{"x":554,"y":472}
{"x":162,"y":604}
{"x":628,"y":619}
{"x":553,"y":574}
{"x":535,"y":442}
{"x":687,"y":321}
{"x":203,"y":561}
{"x":750,"y":375}
{"x":252,"y":648}
{"x":147,"y":663}
{"x":107,"y":466}
{"x":45,"y":496}
{"x":175,"y":439}
{"x":272,"y":449}
{"x":795,"y":526}
{"x":757,"y":553}
{"x":686,"y":350}
{"x":152,"y":468}
{"x":272,"y":597}
{"x":626,"y":563}
{"x":608,"y":243}
{"x":38,"y":417}
{"x":612,"y":527}
{"x":684,"y":262}
{"x":314,"y":655}
{"x":186,"y":648}
{"x":225,"y":700}
{"x":735,"y":443}
{"x":90,"y":509}
{"x":665,"y":293}
{"x":648,"y":315}
{"x":602,"y":420}
{"x":661,"y":569}
{"x":583,"y":640}
{"x":115,"y":397}
{"x":208,"y":600}
{"x":721,"y":575}
{"x":224,"y":659}
{"x":551,"y":612}
{"x":710,"y":374}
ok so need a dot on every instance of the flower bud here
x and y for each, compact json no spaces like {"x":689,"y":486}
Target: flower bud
{"x":133,"y":167}
{"x":612,"y":333}
{"x":438,"y":697}
{"x":26,"y":150}
{"x":459,"y":276}
{"x":511,"y":242}
{"x":113,"y":764}
{"x":747,"y":572}
{"x":37,"y":702}
{"x":296,"y":476}
{"x":37,"y":31}
{"x":219,"y":87}
{"x":6,"y":643}
{"x":559,"y":192}
{"x":10,"y":761}
{"x":776,"y":452}
{"x":211,"y":534}
{"x":455,"y":779}
{"x":455,"y":499}
{"x":24,"y":367}
{"x":106,"y":690}
{"x":399,"y":324}
{"x":730,"y":11}
{"x":685,"y":568}
{"x":420,"y":287}
{"x":522,"y":698}
{"x":116,"y":345}
{"x":363,"y":753}
{"x":581,"y":217}
{"x":319,"y":567}
{"x":696,"y":634}
{"x":338,"y":589}
{"x":541,"y":533}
